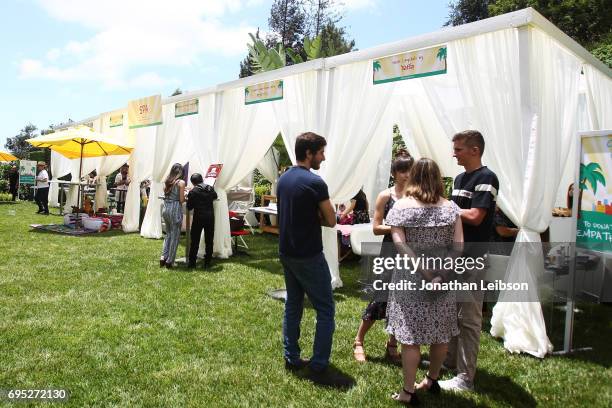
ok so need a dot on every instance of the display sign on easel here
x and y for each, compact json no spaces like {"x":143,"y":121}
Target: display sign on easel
{"x":594,"y":224}
{"x":212,"y":174}
{"x":592,"y":213}
{"x":27,"y":172}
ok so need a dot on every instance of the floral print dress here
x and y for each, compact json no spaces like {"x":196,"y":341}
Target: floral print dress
{"x":414,"y":316}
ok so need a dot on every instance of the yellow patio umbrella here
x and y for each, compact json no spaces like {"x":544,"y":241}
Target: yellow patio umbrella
{"x":7,"y":157}
{"x":79,"y":142}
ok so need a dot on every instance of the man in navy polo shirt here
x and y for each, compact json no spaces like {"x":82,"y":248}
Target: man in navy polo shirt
{"x":475,"y":192}
{"x":303,"y":207}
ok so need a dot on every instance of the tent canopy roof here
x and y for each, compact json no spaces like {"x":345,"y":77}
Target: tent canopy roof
{"x":520,"y":18}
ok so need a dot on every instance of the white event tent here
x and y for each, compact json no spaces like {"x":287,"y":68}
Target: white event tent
{"x":517,"y":78}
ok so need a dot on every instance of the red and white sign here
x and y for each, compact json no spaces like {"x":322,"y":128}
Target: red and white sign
{"x":212,"y":173}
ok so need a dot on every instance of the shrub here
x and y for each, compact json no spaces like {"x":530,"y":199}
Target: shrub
{"x":5,"y":197}
{"x":259,"y":191}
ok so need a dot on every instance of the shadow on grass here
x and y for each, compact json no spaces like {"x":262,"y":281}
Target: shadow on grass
{"x":502,"y":389}
{"x":592,"y":329}
{"x":335,"y":378}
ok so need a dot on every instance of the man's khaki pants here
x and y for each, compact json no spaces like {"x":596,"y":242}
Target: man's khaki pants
{"x":463,"y":349}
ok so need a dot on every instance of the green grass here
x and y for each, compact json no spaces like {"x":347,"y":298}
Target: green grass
{"x":97,"y":316}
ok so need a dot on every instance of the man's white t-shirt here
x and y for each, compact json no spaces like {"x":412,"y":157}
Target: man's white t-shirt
{"x":42,"y":175}
{"x":119,"y":178}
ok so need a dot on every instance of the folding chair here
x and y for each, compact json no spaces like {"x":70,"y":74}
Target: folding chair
{"x":237,"y":232}
{"x":240,"y":199}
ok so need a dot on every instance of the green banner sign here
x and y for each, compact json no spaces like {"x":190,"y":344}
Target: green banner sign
{"x":594,"y":229}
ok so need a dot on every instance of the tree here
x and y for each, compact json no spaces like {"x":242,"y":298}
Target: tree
{"x":586,"y":21}
{"x":322,"y":13}
{"x":287,"y":21}
{"x":18,"y":145}
{"x":334,"y":41}
{"x":467,"y":11}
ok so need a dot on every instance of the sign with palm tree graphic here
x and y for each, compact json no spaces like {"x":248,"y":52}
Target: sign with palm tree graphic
{"x":595,"y":199}
{"x":27,"y":171}
{"x":414,"y":64}
{"x":263,"y":92}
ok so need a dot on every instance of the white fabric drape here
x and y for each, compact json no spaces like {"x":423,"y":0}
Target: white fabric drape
{"x":343,"y":106}
{"x":378,"y":180}
{"x":60,"y":166}
{"x":354,"y":111}
{"x":554,"y":76}
{"x":173,"y":144}
{"x":301,"y":108}
{"x":268,"y":167}
{"x":420,"y":127}
{"x":238,"y":136}
{"x":141,"y":168}
{"x":109,"y":164}
{"x":599,"y":98}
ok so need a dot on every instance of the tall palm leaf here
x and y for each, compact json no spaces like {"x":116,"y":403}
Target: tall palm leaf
{"x":591,"y":173}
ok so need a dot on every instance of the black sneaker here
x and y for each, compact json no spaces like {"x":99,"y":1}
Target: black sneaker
{"x":330,"y":378}
{"x":207,"y":264}
{"x":191,"y":265}
{"x":301,"y":363}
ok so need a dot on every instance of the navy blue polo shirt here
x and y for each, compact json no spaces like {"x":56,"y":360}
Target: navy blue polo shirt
{"x":299,"y":193}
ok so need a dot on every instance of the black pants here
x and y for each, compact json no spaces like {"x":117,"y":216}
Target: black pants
{"x":13,"y":190}
{"x":42,"y":199}
{"x":201,"y":222}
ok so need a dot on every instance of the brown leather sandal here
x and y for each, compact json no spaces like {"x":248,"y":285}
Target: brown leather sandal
{"x":359,"y":352}
{"x":394,"y":356}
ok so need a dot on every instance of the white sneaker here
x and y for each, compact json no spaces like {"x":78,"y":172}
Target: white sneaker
{"x":456,"y":384}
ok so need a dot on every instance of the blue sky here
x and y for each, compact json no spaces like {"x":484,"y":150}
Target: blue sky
{"x":78,"y":58}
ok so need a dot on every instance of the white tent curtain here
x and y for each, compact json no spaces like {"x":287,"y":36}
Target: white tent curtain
{"x":420,"y":127}
{"x":239,"y":137}
{"x":378,"y":180}
{"x":268,"y":167}
{"x":353,"y":114}
{"x":109,"y":164}
{"x":60,"y":166}
{"x":173,"y":145}
{"x":300,"y":109}
{"x":141,"y":168}
{"x":554,"y":76}
{"x":343,"y":106}
{"x":599,"y":98}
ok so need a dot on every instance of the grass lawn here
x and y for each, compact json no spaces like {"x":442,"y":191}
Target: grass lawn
{"x":95,"y":315}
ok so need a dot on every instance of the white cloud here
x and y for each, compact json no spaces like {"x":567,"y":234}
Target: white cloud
{"x":132,"y":37}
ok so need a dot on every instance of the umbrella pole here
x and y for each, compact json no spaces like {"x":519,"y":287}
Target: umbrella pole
{"x":78,"y":217}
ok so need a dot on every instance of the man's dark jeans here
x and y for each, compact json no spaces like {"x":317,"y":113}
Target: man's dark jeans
{"x":309,"y":276}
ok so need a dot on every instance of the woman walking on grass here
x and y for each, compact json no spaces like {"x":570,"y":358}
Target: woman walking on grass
{"x":174,"y":196}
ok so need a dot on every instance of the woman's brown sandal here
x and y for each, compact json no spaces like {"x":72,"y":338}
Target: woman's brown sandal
{"x":359,"y":352}
{"x":394,"y":356}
